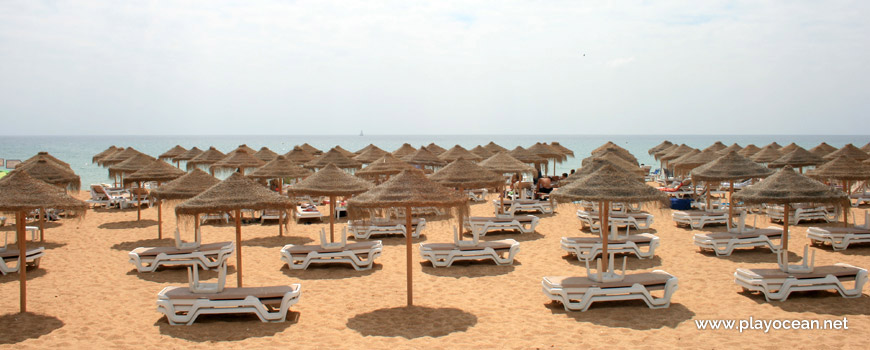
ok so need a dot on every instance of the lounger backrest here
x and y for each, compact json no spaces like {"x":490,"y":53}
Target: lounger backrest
{"x":473,"y":242}
{"x":98,"y":193}
{"x":333,"y":245}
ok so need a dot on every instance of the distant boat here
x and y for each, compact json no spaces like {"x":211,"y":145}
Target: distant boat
{"x":361,"y":133}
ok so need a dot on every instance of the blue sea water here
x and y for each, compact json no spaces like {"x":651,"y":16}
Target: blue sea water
{"x":78,"y":150}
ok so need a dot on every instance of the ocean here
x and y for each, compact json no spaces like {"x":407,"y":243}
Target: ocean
{"x":78,"y":150}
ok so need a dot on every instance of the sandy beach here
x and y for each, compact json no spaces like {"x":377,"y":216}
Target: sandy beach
{"x":86,"y":294}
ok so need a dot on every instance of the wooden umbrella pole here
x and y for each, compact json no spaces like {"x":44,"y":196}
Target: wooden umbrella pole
{"x":238,"y":247}
{"x":281,"y":222}
{"x":784,"y":253}
{"x":196,"y":235}
{"x":42,"y":218}
{"x":605,"y":232}
{"x":159,"y":219}
{"x":730,"y":201}
{"x":138,"y":203}
{"x":332,"y":219}
{"x":846,"y":207}
{"x":461,"y":227}
{"x":22,"y":259}
{"x":408,"y":248}
{"x":707,"y":191}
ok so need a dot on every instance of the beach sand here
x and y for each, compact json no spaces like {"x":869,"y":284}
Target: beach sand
{"x":87,"y":295}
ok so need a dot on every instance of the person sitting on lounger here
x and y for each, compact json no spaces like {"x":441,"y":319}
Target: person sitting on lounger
{"x":545,"y":186}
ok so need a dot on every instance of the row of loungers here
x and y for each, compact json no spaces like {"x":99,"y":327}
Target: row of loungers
{"x":641,"y":245}
{"x":502,"y":252}
{"x":515,"y":206}
{"x":839,"y":238}
{"x":803,"y":212}
{"x":636,"y":220}
{"x":360,"y":255}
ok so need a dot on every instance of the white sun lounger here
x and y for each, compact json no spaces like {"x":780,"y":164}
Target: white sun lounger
{"x":724,"y":243}
{"x":802,"y":212}
{"x":520,"y":223}
{"x":841,"y":237}
{"x":32,"y":258}
{"x":502,"y":252}
{"x":364,"y":229}
{"x":301,"y":213}
{"x":778,"y":285}
{"x":207,"y":256}
{"x":478,"y":195}
{"x":270,"y":304}
{"x":360,"y":255}
{"x":588,"y":248}
{"x":859,"y":197}
{"x":635,"y":286}
{"x":636,"y":220}
{"x":699,"y":219}
{"x":524,"y":205}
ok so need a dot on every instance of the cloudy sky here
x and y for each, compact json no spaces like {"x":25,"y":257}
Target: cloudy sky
{"x":434,"y":67}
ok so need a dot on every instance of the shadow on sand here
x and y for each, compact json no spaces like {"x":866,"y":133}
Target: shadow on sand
{"x":412,"y":322}
{"x":213,"y":328}
{"x":125,"y":225}
{"x":19,"y":327}
{"x":641,"y":317}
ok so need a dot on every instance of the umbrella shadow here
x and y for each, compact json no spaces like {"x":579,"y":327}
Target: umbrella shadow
{"x":755,"y":255}
{"x":151,"y":242}
{"x":37,"y":244}
{"x":412,"y":322}
{"x":504,"y":234}
{"x":640,"y":316}
{"x":818,"y":301}
{"x":176,"y":274}
{"x":329,"y":271}
{"x":114,"y":210}
{"x":213,"y":327}
{"x":399,"y":240}
{"x":124,"y":225}
{"x":632,"y":263}
{"x":19,"y":327}
{"x":469,"y":269}
{"x":32,"y":273}
{"x":48,"y":225}
{"x":276,"y":241}
{"x":861,"y":249}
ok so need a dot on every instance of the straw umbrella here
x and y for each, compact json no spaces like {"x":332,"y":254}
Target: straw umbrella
{"x":333,"y":156}
{"x":674,"y":153}
{"x":366,"y":148}
{"x":238,"y":161}
{"x":495,"y":148}
{"x":749,"y":150}
{"x":206,"y":158}
{"x":370,"y":155}
{"x":130,"y":166}
{"x":845,"y":169}
{"x":503,"y":163}
{"x":118,"y":157}
{"x":527,"y":157}
{"x":21,"y":193}
{"x":422,"y":157}
{"x":659,"y":147}
{"x":565,"y":150}
{"x":549,"y":153}
{"x":463,"y":174}
{"x":235,"y":193}
{"x":280,"y":168}
{"x":663,"y":151}
{"x":767,"y":154}
{"x":299,"y":155}
{"x":616,"y":160}
{"x":789,"y":148}
{"x":405,"y":150}
{"x":734,"y":147}
{"x":51,"y":173}
{"x":160,"y":172}
{"x":185,"y":187}
{"x":798,"y":157}
{"x":686,"y":165}
{"x":332,"y":182}
{"x":45,"y":156}
{"x":609,"y":144}
{"x":716,"y":146}
{"x":457,"y":152}
{"x":730,"y":167}
{"x":786,"y":187}
{"x":190,"y":154}
{"x":849,"y":150}
{"x":866,"y":148}
{"x":311,"y":149}
{"x":410,"y":189}
{"x":673,"y":162}
{"x":344,"y":152}
{"x":608,"y":184}
{"x":822,"y":149}
{"x":172,"y":153}
{"x":435,"y":149}
{"x":107,"y":152}
{"x":774,"y":145}
{"x":265,"y":154}
{"x":593,"y":166}
{"x":245,"y":148}
{"x":388,"y":165}
{"x":481,"y":152}
{"x":616,"y":152}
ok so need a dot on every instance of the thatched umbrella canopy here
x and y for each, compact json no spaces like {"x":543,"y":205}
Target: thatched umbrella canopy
{"x":684,"y":165}
{"x":47,"y":157}
{"x":866,"y":148}
{"x":185,"y":187}
{"x":311,"y":149}
{"x":172,"y":153}
{"x":210,"y":156}
{"x":676,"y":152}
{"x":659,"y":147}
{"x":495,"y":148}
{"x":797,"y":158}
{"x":593,"y":166}
{"x":850,"y":151}
{"x":615,"y":159}
{"x":238,"y":160}
{"x":767,"y":154}
{"x":749,"y":150}
{"x":549,"y":153}
{"x":845,"y":169}
{"x":423,"y":157}
{"x":52,"y":173}
{"x":457,"y":152}
{"x":682,"y":158}
{"x":504,"y":163}
{"x":616,"y":152}
{"x":774,"y":145}
{"x":665,"y":150}
{"x":405,"y":150}
{"x":190,"y":154}
{"x":131,"y":165}
{"x":118,"y":157}
{"x":435,"y":149}
{"x":370,"y":155}
{"x":788,"y":148}
{"x":527,"y":157}
{"x":465,"y":174}
{"x":716,"y":146}
{"x":608,"y":184}
{"x":366,"y":148}
{"x":245,"y":148}
{"x":158,"y":171}
{"x":734,"y":147}
{"x":607,"y":145}
{"x":564,"y":150}
{"x":344,"y":152}
{"x":107,"y":152}
{"x":822,"y":149}
{"x":20,"y":193}
{"x":730,"y":167}
{"x":786,"y":187}
{"x":410,"y":189}
{"x":280,"y":168}
{"x":387,"y":165}
{"x":332,"y":182}
{"x":235,"y":193}
{"x":265,"y":154}
{"x":333,"y":156}
{"x":481,"y":152}
{"x":299,"y":155}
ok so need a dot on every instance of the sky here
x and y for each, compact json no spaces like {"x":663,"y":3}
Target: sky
{"x":434,"y":67}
